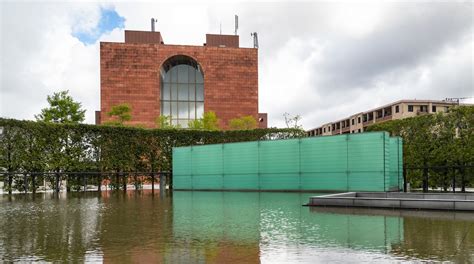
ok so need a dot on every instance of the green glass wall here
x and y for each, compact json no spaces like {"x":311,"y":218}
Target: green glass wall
{"x":396,"y":163}
{"x":351,"y":162}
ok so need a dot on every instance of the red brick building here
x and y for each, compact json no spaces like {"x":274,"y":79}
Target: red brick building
{"x":178,"y":80}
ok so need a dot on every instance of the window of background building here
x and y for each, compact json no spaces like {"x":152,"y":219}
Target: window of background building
{"x":182,"y":90}
{"x":358,"y":120}
{"x":353,"y":121}
{"x":424,"y":108}
{"x":433,"y":108}
{"x":410,"y":108}
{"x":324,"y":130}
{"x":397,"y":109}
{"x":358,"y":130}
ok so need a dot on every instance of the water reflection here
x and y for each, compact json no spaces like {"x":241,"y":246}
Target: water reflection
{"x":216,"y":227}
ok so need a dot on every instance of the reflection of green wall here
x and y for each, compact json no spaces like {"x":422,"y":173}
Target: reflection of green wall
{"x":244,"y":217}
{"x":216,"y":216}
{"x":327,"y":229}
{"x":352,"y":162}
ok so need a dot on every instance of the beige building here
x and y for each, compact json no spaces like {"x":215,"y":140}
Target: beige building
{"x":398,"y":110}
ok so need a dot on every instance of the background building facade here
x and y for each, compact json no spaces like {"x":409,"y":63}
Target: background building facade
{"x":357,"y":123}
{"x":178,"y":80}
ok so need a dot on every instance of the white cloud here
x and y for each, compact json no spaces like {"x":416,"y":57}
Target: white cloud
{"x":323,"y":61}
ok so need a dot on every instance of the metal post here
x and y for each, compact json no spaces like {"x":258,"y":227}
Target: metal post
{"x":454,"y":180}
{"x":25,"y":183}
{"x":10,"y":181}
{"x":99,"y":182}
{"x":117,"y":180}
{"x":162,"y":182}
{"x":153,"y":182}
{"x":33,"y":182}
{"x":84,"y":182}
{"x":57,"y":182}
{"x":425,"y":179}
{"x":170,"y":179}
{"x":463,"y":183}
{"x":404,"y":179}
{"x":124,"y":181}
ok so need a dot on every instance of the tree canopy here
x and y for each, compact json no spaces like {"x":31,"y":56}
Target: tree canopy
{"x":62,"y":109}
{"x":120,"y":113}
{"x":209,"y":121}
{"x":243,"y":123}
{"x":442,"y":139}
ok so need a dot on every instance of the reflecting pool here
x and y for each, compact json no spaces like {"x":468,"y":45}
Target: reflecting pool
{"x":218,"y":227}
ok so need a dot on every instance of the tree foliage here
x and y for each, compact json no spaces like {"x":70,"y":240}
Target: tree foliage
{"x":442,"y":139}
{"x":120,"y":114}
{"x":243,"y":123}
{"x":27,"y":146}
{"x":209,"y":121}
{"x":62,"y":109}
{"x":164,"y":122}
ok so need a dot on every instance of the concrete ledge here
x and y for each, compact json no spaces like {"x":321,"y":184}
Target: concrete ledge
{"x":452,"y":202}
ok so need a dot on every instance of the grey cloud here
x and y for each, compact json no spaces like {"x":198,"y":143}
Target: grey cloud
{"x":350,"y":74}
{"x":412,"y":33}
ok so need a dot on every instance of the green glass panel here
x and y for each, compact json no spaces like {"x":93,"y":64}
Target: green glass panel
{"x":394,"y":164}
{"x":280,"y":181}
{"x":181,"y":161}
{"x":356,"y":162}
{"x":366,"y":181}
{"x":324,"y":154}
{"x":279,"y":156}
{"x":324,"y":181}
{"x":241,"y":181}
{"x":208,"y":181}
{"x":207,"y":160}
{"x":182,"y":182}
{"x":366,"y":152}
{"x":241,"y":158}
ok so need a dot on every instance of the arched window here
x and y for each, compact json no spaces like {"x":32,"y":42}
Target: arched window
{"x":182,"y":90}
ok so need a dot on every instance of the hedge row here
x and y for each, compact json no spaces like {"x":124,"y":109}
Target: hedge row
{"x":27,"y":146}
{"x":437,"y":140}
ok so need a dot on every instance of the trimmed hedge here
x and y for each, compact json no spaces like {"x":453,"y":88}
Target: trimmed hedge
{"x":28,"y":146}
{"x":436,"y":140}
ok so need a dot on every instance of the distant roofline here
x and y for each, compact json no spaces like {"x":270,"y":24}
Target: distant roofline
{"x":387,"y":105}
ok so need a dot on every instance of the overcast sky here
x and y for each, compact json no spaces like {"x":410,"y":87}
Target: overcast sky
{"x":321,"y":60}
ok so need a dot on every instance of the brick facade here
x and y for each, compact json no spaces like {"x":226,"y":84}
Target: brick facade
{"x":130,"y":73}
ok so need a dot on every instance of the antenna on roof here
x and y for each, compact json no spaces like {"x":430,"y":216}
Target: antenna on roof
{"x":255,"y":39}
{"x":153,"y":21}
{"x":236,"y":23}
{"x":220,"y":28}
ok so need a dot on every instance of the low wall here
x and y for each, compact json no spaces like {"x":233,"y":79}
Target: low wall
{"x":461,"y":202}
{"x":351,"y":162}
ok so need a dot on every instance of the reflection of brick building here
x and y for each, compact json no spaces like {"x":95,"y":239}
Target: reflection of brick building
{"x":177,"y":80}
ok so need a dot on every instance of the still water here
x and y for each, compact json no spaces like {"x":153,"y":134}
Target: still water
{"x":222,"y":227}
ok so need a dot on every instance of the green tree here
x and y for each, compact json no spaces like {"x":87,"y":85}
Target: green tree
{"x":164,"y":122}
{"x":120,"y":113}
{"x":443,"y":139}
{"x":62,"y":109}
{"x":243,"y":123}
{"x":209,"y":121}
